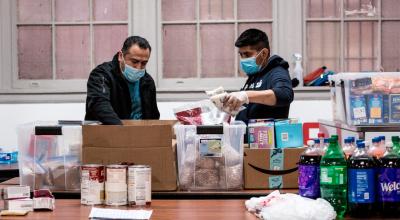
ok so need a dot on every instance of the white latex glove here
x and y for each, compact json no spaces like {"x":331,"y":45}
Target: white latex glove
{"x":235,"y":100}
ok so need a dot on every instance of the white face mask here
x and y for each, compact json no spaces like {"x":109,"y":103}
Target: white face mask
{"x":132,"y":74}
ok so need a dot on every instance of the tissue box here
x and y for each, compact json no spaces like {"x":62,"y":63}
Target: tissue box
{"x":288,"y":133}
{"x":261,"y":133}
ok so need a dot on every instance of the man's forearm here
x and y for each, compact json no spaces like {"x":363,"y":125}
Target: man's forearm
{"x":265,"y":97}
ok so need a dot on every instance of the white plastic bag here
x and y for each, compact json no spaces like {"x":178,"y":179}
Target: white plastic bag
{"x":217,"y":96}
{"x":278,"y":206}
{"x":203,"y":112}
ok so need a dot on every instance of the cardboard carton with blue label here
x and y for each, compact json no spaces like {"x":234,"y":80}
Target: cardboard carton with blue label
{"x":271,"y":168}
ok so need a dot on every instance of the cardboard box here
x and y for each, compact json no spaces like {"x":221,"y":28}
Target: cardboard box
{"x":147,"y":142}
{"x":271,"y":168}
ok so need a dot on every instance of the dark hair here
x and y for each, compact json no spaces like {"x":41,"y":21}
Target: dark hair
{"x":135,"y":40}
{"x":254,"y":38}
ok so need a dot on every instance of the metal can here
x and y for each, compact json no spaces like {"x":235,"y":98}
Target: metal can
{"x":139,"y":185}
{"x":92,"y":184}
{"x":116,"y":187}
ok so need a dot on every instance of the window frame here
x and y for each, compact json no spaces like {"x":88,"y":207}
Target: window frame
{"x":53,"y":85}
{"x":202,"y":84}
{"x":282,"y":27}
{"x":342,"y":20}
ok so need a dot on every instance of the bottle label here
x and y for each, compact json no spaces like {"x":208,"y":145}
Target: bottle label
{"x":361,"y":185}
{"x":309,"y":181}
{"x":334,"y":175}
{"x":389,"y":184}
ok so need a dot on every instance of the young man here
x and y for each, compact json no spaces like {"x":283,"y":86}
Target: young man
{"x":268,"y":91}
{"x":121,"y":88}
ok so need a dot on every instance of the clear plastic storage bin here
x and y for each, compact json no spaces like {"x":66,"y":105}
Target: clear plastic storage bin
{"x":366,"y":98}
{"x":210,"y":157}
{"x":50,"y":155}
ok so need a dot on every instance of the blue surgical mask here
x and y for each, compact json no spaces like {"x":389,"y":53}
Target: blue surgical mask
{"x":132,"y":74}
{"x":249,"y":65}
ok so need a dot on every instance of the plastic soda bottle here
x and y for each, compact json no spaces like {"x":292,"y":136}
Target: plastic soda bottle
{"x":361,"y":182}
{"x":334,"y":177}
{"x":348,"y":148}
{"x":396,"y":144}
{"x":376,"y":150}
{"x":309,"y":171}
{"x":389,"y":183}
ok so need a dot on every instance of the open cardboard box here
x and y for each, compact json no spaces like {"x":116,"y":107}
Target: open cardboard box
{"x":147,"y":142}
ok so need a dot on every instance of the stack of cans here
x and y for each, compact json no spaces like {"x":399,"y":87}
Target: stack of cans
{"x":116,"y":185}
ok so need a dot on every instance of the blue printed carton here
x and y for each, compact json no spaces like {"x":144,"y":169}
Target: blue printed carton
{"x":288,"y":133}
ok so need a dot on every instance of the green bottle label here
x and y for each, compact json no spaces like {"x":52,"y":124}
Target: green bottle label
{"x":335,"y":175}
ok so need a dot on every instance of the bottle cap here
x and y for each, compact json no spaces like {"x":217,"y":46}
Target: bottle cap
{"x":376,"y":140}
{"x":333,"y":140}
{"x":321,"y":135}
{"x":361,"y":145}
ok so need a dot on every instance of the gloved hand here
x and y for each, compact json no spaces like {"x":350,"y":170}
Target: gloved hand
{"x":233,"y":101}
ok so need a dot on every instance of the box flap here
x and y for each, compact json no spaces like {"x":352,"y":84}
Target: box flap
{"x":141,"y":133}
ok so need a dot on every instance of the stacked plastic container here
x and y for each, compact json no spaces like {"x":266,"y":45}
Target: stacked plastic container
{"x":50,"y":155}
{"x":210,"y":157}
{"x":368,"y":98}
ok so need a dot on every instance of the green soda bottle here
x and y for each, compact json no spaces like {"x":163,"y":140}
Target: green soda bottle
{"x":334,"y":177}
{"x":396,"y":144}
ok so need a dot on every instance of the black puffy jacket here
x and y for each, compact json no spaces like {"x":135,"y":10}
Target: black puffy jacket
{"x":108,"y":98}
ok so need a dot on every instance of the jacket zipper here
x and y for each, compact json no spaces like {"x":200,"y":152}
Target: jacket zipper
{"x":103,"y":84}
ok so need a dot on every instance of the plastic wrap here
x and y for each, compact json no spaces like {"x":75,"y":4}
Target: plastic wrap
{"x":278,"y":206}
{"x":200,"y":113}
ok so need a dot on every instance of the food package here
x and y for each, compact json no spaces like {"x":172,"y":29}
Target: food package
{"x":200,"y":113}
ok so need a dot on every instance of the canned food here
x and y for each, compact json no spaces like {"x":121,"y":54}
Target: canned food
{"x":92,"y":184}
{"x":139,"y":185}
{"x":116,"y":187}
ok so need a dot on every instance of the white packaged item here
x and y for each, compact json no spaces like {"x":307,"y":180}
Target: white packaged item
{"x":44,"y":203}
{"x":19,"y":204}
{"x":278,"y":206}
{"x":17,"y":192}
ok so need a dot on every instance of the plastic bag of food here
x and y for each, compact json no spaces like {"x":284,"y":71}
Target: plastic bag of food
{"x":278,"y":206}
{"x":203,"y":112}
{"x":218,"y":96}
